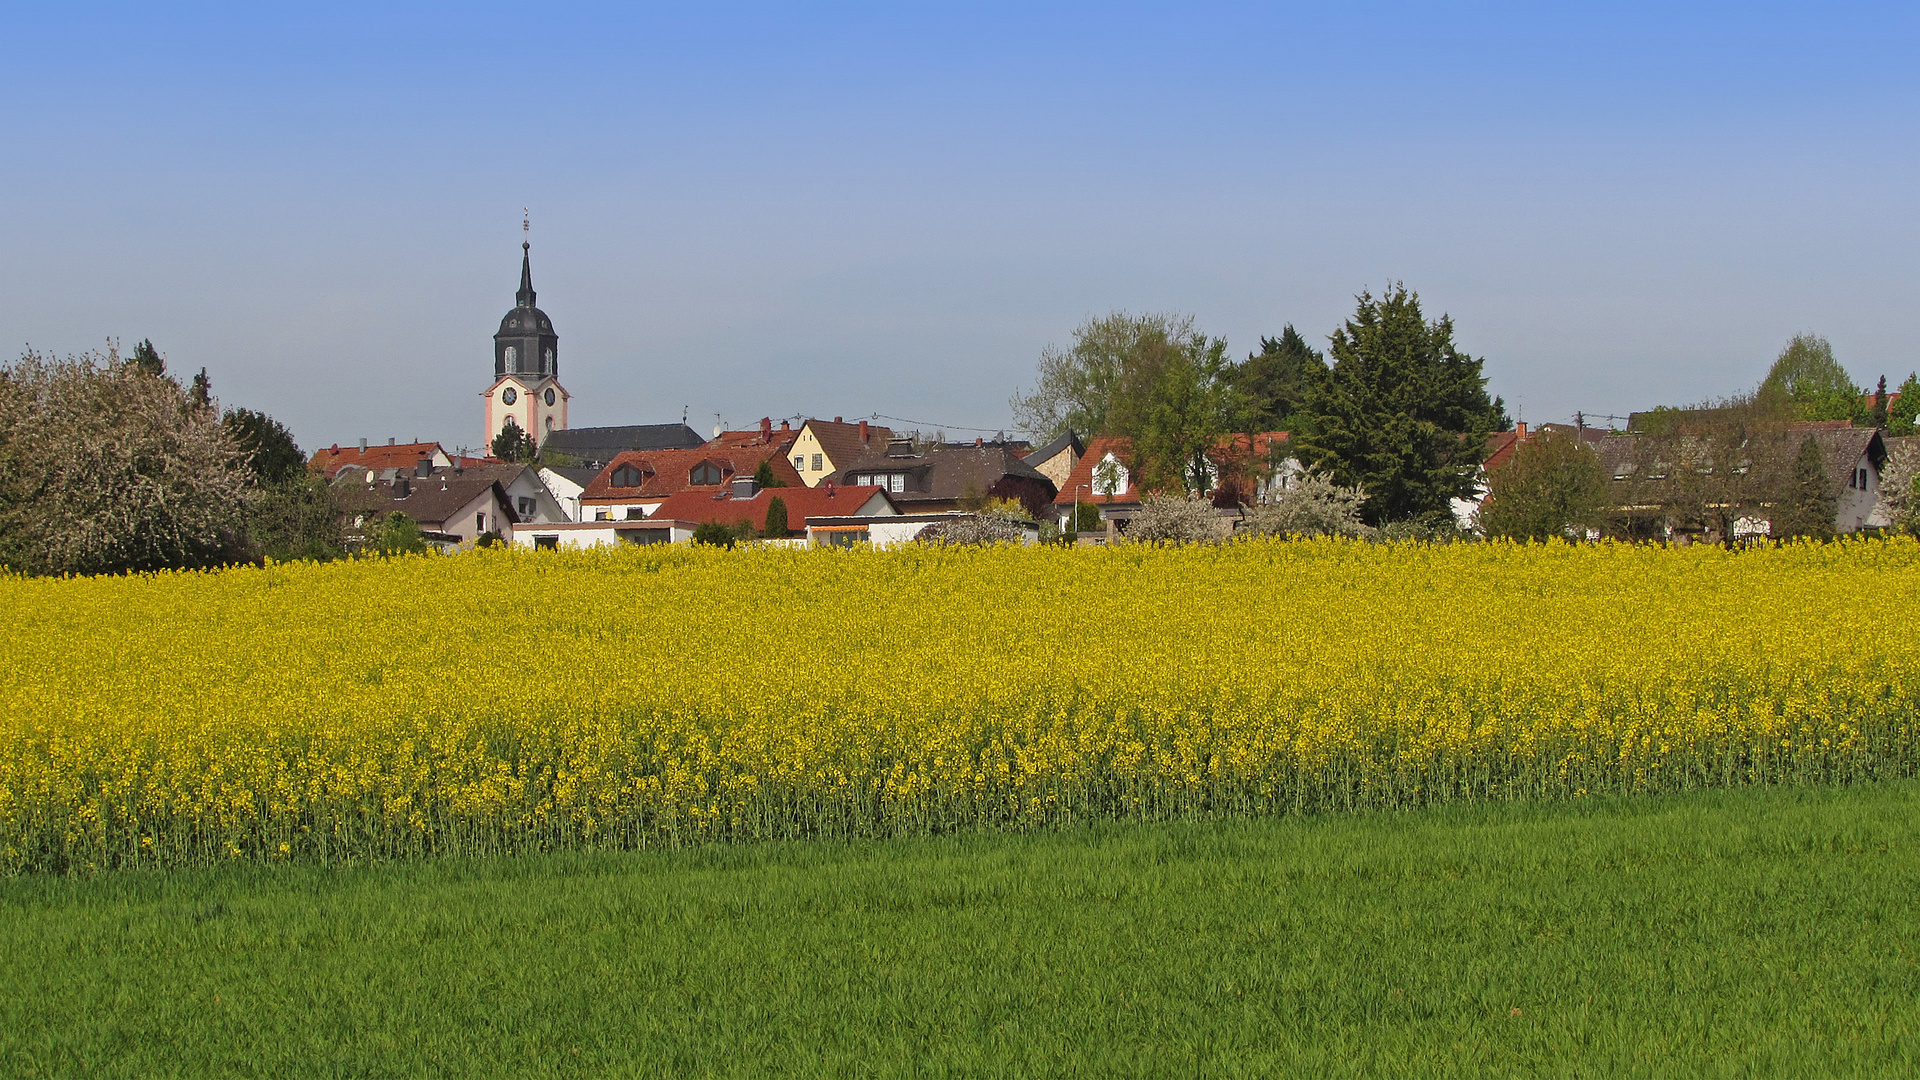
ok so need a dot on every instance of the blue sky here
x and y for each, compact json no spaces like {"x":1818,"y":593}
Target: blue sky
{"x":849,"y":210}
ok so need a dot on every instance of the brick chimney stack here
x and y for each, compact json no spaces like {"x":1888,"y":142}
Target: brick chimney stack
{"x":766,"y":427}
{"x":1520,"y":429}
{"x":863,"y":433}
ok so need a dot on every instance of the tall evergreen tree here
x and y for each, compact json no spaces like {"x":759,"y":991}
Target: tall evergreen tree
{"x":273,"y":455}
{"x":200,"y":394}
{"x":148,"y":359}
{"x":1808,"y":505}
{"x":776,"y":518}
{"x":1274,"y":383}
{"x":1402,"y":414}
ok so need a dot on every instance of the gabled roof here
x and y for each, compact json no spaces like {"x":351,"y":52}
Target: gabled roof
{"x":668,"y":472}
{"x":329,"y":460}
{"x":827,"y":500}
{"x":1082,"y":483}
{"x":1069,"y":439}
{"x":951,"y":470}
{"x":580,"y":476}
{"x":601,"y":444}
{"x":429,"y":500}
{"x":841,"y":441}
{"x":1625,"y":456}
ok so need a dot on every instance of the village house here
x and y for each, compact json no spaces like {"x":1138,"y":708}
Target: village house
{"x":1103,"y":477}
{"x":745,"y":503}
{"x":328,"y":461}
{"x":635,"y":483}
{"x":951,"y":475}
{"x":453,"y":509}
{"x":1056,"y":460}
{"x":824,"y":447}
{"x":1668,"y":488}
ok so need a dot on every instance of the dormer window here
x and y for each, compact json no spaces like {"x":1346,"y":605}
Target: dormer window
{"x":704,"y":473}
{"x":627,"y":476}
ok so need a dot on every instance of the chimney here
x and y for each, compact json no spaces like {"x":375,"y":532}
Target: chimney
{"x":1520,"y":429}
{"x":977,"y":441}
{"x":423,"y":468}
{"x":389,"y":440}
{"x":829,"y":486}
{"x":766,"y":427}
{"x":744,"y":487}
{"x":402,"y":487}
{"x":784,"y":426}
{"x":863,"y":432}
{"x":837,"y":420}
{"x":363,"y":446}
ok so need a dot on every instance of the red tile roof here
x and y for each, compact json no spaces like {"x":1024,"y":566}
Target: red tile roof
{"x":669,"y":472}
{"x":827,"y":500}
{"x":1081,"y":480}
{"x":330,"y":460}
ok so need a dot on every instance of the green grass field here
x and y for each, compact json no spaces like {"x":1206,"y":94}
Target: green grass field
{"x":1728,"y":933}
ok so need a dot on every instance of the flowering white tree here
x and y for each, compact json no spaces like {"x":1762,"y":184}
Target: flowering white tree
{"x":106,"y":466}
{"x":1174,"y":519}
{"x":1310,"y":505}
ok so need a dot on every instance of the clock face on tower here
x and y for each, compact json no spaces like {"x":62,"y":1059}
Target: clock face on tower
{"x":509,"y":396}
{"x":549,"y":395}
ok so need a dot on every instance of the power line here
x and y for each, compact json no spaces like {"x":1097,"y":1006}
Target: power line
{"x":930,"y":424}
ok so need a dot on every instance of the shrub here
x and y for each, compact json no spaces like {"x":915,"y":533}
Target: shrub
{"x":1175,"y":519}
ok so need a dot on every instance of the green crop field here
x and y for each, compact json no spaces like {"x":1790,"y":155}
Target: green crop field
{"x":1758,"y":931}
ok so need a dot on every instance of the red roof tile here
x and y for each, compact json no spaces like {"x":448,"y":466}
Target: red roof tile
{"x":1081,"y":480}
{"x":802,"y":503}
{"x":668,"y":472}
{"x":330,"y":460}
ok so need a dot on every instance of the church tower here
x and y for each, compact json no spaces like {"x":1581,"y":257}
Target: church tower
{"x":526,"y":367}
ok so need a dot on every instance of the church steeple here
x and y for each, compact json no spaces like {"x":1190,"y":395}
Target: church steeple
{"x":526,"y":343}
{"x":524,"y":298}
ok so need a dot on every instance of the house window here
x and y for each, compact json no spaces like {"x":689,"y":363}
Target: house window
{"x":1861,"y":479}
{"x":799,"y":462}
{"x":704,"y":473}
{"x":636,"y":513}
{"x":603,"y":515}
{"x":524,"y":505}
{"x":817,"y":463}
{"x":626,"y":476}
{"x":897,"y":482}
{"x":549,"y":543}
{"x":479,"y":523}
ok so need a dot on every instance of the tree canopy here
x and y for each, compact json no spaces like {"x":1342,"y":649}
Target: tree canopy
{"x":105,"y":467}
{"x":271,"y":452}
{"x":1153,"y":378}
{"x":513,"y":444}
{"x":1553,"y":487}
{"x":1812,"y":382}
{"x":1807,"y":506}
{"x":1273,"y":384}
{"x":1403,"y":413}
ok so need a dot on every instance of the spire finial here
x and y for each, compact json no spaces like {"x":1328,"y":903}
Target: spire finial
{"x":525,"y":297}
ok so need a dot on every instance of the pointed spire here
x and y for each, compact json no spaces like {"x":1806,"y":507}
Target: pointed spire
{"x":525,"y":296}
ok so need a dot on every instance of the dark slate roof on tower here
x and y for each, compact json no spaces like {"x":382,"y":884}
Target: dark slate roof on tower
{"x":602,"y":444}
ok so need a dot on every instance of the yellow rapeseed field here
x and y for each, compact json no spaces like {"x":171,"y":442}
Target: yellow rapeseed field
{"x":509,"y":701}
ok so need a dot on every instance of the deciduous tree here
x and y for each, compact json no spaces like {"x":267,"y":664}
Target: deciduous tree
{"x":1553,"y":488}
{"x":105,"y":467}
